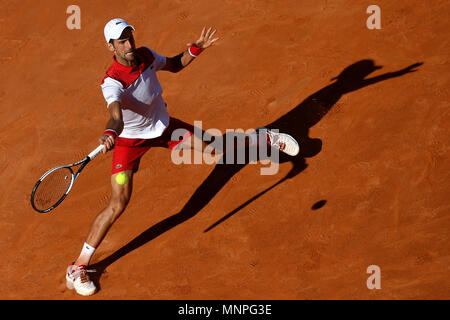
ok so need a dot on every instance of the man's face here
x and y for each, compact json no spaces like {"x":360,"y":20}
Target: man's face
{"x":124,"y":47}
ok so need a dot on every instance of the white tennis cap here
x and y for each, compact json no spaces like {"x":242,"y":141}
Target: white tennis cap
{"x":114,"y":28}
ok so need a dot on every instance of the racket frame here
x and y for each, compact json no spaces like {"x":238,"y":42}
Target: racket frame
{"x":83,"y":163}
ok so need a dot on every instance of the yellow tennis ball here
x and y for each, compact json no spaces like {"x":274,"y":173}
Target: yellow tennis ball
{"x":121,"y":178}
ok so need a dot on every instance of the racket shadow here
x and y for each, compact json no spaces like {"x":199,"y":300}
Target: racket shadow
{"x":296,"y":122}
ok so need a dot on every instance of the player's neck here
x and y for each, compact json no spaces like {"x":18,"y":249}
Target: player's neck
{"x":127,"y":63}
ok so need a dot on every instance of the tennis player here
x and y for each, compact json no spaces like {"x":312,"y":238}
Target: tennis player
{"x":139,"y":121}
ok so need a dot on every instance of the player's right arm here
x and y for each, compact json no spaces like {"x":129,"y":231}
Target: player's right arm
{"x":114,"y":126}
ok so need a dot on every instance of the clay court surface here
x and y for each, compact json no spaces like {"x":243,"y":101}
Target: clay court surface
{"x":370,"y":187}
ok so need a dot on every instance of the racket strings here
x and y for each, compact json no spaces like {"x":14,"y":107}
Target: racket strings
{"x":52,"y":188}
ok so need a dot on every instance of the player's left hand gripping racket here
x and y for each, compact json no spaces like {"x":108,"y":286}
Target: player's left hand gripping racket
{"x":52,"y":188}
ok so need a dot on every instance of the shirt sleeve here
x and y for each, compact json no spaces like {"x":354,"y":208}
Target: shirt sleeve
{"x":112,"y":90}
{"x":160,"y":61}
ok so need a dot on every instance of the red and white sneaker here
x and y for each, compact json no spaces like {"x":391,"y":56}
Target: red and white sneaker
{"x":281,"y":141}
{"x":78,"y":279}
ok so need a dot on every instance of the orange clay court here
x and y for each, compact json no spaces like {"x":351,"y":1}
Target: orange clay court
{"x":370,"y":109}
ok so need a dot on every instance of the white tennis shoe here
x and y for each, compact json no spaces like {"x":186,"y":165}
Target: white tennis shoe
{"x":78,"y":279}
{"x":281,"y":141}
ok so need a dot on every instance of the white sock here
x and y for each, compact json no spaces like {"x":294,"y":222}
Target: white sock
{"x":87,"y":252}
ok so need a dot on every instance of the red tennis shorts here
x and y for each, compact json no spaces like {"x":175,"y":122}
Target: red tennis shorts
{"x":127,"y":152}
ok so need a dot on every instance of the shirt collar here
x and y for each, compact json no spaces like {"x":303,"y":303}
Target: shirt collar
{"x":126,"y":68}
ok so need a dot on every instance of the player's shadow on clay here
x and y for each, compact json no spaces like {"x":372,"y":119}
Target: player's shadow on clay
{"x":296,"y":122}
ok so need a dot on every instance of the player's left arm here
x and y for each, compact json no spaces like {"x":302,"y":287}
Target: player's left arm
{"x":182,"y":60}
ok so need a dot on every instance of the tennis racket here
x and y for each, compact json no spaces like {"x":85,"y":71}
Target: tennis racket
{"x":52,"y":188}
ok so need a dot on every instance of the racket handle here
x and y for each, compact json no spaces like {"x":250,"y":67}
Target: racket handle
{"x":95,"y":153}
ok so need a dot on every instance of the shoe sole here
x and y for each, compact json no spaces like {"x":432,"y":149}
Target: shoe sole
{"x":297,"y":147}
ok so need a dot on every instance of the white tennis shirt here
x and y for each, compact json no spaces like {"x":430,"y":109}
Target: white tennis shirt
{"x":138,"y":90}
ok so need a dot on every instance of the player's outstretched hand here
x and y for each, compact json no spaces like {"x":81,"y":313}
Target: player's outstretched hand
{"x":206,"y":39}
{"x":411,"y":68}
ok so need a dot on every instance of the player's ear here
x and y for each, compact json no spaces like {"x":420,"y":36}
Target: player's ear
{"x":110,"y":46}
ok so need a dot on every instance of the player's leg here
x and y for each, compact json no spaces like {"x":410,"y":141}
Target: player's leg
{"x":183,"y":135}
{"x":120,"y":196}
{"x":260,"y":137}
{"x":76,"y":276}
{"x":195,"y":139}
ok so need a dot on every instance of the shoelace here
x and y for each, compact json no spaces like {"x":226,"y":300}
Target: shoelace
{"x":274,"y":141}
{"x":81,"y":271}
